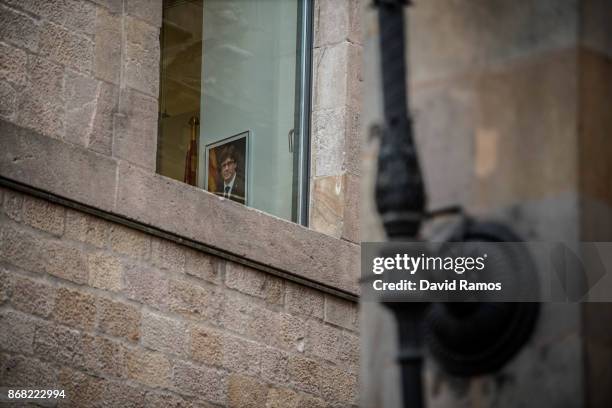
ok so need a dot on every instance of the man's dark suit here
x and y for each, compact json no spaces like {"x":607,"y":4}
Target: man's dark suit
{"x":238,"y":189}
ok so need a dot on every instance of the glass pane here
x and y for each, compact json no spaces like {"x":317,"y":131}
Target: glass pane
{"x":230,"y":99}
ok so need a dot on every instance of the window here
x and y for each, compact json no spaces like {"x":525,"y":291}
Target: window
{"x":234,"y":100}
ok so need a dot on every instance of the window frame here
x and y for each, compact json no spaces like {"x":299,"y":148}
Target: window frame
{"x":300,"y":136}
{"x":305,"y":45}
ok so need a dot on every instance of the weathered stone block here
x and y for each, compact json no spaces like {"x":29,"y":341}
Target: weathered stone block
{"x":18,"y":370}
{"x":289,"y":332}
{"x":43,"y":256}
{"x":304,"y":300}
{"x":506,"y":114}
{"x":107,"y":59}
{"x":136,"y":129}
{"x":241,"y":356}
{"x":43,"y":215}
{"x":18,"y":29}
{"x":41,"y":105}
{"x":189,"y":299}
{"x":332,"y":22}
{"x":354,"y":133}
{"x":13,"y":205}
{"x":337,"y":76}
{"x":60,"y":344}
{"x":66,"y":47}
{"x":355,"y":86}
{"x":86,"y":228}
{"x":164,"y":334}
{"x":238,"y":314}
{"x":16,"y":332}
{"x":167,"y":255}
{"x":351,"y":221}
{"x":206,"y":345}
{"x":275,"y":290}
{"x":328,"y":205}
{"x":338,"y":385}
{"x":114,"y":6}
{"x":254,"y":283}
{"x":104,"y":356}
{"x":74,"y":308}
{"x":148,"y":10}
{"x":32,"y":297}
{"x":105,"y":271}
{"x":274,"y":366}
{"x":85,"y":390}
{"x":13,"y":65}
{"x":141,"y":63}
{"x":73,"y":14}
{"x":282,"y":398}
{"x":64,"y":262}
{"x":102,"y":128}
{"x":145,"y":285}
{"x":81,"y":93}
{"x":129,"y":242}
{"x":5,"y":286}
{"x":349,"y":351}
{"x":120,"y":393}
{"x":305,"y":374}
{"x":56,"y":166}
{"x":207,"y":383}
{"x":324,"y":341}
{"x":328,"y":130}
{"x":119,"y":319}
{"x":167,"y":400}
{"x":21,"y":249}
{"x":489,"y":32}
{"x":203,"y":266}
{"x":149,"y":368}
{"x":246,"y":392}
{"x":8,"y":101}
{"x":341,"y":312}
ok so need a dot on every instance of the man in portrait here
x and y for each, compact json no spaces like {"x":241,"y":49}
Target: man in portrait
{"x":232,"y":183}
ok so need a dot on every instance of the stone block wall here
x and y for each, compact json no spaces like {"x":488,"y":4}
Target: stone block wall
{"x":117,"y":317}
{"x":120,"y":317}
{"x":87,"y":73}
{"x":336,"y":113}
{"x":84,"y":72}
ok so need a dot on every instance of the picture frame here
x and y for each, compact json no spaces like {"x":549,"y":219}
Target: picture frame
{"x":227,"y":167}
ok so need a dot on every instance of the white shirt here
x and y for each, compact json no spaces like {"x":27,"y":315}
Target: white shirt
{"x":228,"y":193}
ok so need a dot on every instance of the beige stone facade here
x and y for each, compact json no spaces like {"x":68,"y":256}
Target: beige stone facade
{"x":116,"y":316}
{"x":126,"y":288}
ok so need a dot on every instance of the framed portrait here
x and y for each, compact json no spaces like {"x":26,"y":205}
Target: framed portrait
{"x":227,"y":167}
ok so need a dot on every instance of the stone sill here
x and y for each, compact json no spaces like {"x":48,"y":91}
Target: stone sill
{"x":124,"y":193}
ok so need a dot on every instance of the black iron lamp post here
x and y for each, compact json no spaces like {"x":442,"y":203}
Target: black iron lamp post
{"x":465,"y":338}
{"x":400,"y":194}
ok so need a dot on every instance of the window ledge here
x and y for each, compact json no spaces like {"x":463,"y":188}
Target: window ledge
{"x":125,"y":193}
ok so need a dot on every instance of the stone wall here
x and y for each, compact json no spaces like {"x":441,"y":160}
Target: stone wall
{"x":250,"y":311}
{"x":84,"y":76}
{"x":117,"y":317}
{"x":336,"y":112}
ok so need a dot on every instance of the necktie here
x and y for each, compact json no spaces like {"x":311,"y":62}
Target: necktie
{"x":227,"y":190}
